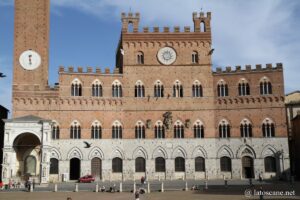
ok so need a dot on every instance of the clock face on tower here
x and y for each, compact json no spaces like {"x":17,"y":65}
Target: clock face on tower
{"x":166,"y":55}
{"x":30,"y":60}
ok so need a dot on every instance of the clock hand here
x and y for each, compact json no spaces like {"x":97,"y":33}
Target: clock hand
{"x":30,"y":59}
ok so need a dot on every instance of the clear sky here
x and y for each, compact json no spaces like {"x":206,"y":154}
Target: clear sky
{"x":86,"y":33}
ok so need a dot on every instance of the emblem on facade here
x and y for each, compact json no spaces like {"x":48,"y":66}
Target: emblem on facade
{"x":168,"y":119}
{"x":148,"y":123}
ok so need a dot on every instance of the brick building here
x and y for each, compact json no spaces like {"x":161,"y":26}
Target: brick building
{"x":162,"y":113}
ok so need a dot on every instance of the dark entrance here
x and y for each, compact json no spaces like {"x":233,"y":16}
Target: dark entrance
{"x":247,"y":165}
{"x":96,"y":168}
{"x":74,"y":169}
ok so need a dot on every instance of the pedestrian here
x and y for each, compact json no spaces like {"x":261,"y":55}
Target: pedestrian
{"x":260,"y":177}
{"x":142,"y":180}
{"x":137,"y":195}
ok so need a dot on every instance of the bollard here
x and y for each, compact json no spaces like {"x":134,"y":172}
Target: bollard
{"x":30,"y":188}
{"x":148,"y":187}
{"x":55,"y":188}
{"x":225,"y":183}
{"x":206,"y":185}
{"x":121,"y":187}
{"x":162,"y":187}
{"x":76,"y":188}
{"x":97,"y":188}
{"x":134,"y":187}
{"x":186,"y":186}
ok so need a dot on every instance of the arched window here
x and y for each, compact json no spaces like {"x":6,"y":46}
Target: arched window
{"x":55,"y":131}
{"x":195,"y":57}
{"x":225,"y":163}
{"x":116,"y":89}
{"x":139,"y":130}
{"x":130,"y":27}
{"x":178,"y":130}
{"x":224,"y":129}
{"x":197,"y":89}
{"x":199,"y":164}
{"x":158,"y":89}
{"x":139,"y":89}
{"x":202,"y":27}
{"x":270,"y":164}
{"x":160,"y":164}
{"x":265,"y":86}
{"x":177,"y":89}
{"x":75,"y":130}
{"x":76,"y":88}
{"x":116,"y":130}
{"x":96,"y":130}
{"x":53,"y":166}
{"x":140,"y":164}
{"x":117,"y":165}
{"x":97,"y":89}
{"x":179,"y":164}
{"x":198,"y":129}
{"x":222,"y":89}
{"x":244,"y":88}
{"x":246,"y":128}
{"x":268,"y":128}
{"x":140,"y":58}
{"x":159,"y":130}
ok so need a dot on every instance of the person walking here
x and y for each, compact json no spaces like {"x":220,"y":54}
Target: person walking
{"x":137,"y":195}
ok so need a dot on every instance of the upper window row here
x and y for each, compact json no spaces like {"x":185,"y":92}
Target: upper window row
{"x":140,"y":58}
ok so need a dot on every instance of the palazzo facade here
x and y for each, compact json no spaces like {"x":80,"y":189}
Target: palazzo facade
{"x":163,"y":112}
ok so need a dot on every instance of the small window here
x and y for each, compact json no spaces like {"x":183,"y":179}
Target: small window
{"x":243,"y":88}
{"x":116,"y":89}
{"x":268,"y":128}
{"x":197,"y":89}
{"x":179,"y":164}
{"x":224,"y":129}
{"x":97,"y":89}
{"x":246,"y":129}
{"x":140,"y":164}
{"x":270,"y":164}
{"x":265,"y":86}
{"x":195,"y":57}
{"x":75,"y":130}
{"x":53,"y":166}
{"x":199,"y":164}
{"x":160,"y":164}
{"x":159,"y":130}
{"x":178,"y":130}
{"x":225,"y":164}
{"x":96,"y":130}
{"x":177,"y":89}
{"x":76,"y":88}
{"x":139,"y":89}
{"x":117,"y":130}
{"x":140,"y":130}
{"x":117,"y":165}
{"x":55,"y":131}
{"x":198,"y":130}
{"x":222,"y":89}
{"x":158,"y":89}
{"x":140,"y":58}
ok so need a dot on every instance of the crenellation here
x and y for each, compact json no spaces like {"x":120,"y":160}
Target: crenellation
{"x":269,"y":66}
{"x":219,"y":69}
{"x":228,"y":69}
{"x":258,"y":67}
{"x":107,"y":70}
{"x":116,"y":71}
{"x":89,"y":70}
{"x":71,"y":69}
{"x":187,"y":29}
{"x":98,"y":70}
{"x":146,"y":29}
{"x":61,"y":69}
{"x":238,"y":68}
{"x":166,"y":29}
{"x":248,"y":67}
{"x":176,"y":29}
{"x":79,"y":69}
{"x":279,"y":65}
{"x":156,"y":29}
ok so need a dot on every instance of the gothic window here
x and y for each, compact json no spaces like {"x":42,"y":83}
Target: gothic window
{"x":96,"y":130}
{"x":246,"y":128}
{"x":116,"y":130}
{"x":198,"y":129}
{"x":158,"y":89}
{"x":268,"y":128}
{"x":270,"y":164}
{"x":140,"y":164}
{"x":75,"y":130}
{"x":243,"y":88}
{"x":195,"y":57}
{"x":117,"y":165}
{"x":160,"y":164}
{"x":179,"y":164}
{"x":139,"y":130}
{"x":140,"y":58}
{"x":225,"y":163}
{"x":53,"y":166}
{"x":178,"y":130}
{"x":202,"y":27}
{"x":177,"y":89}
{"x":55,"y":131}
{"x":199,"y":164}
{"x":265,"y":86}
{"x":139,"y":89}
{"x":159,"y":130}
{"x":197,"y":89}
{"x":222,"y":89}
{"x":116,"y":89}
{"x":76,"y":88}
{"x":224,"y":129}
{"x":97,"y":89}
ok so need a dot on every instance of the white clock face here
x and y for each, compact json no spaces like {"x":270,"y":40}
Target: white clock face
{"x":30,"y":60}
{"x":166,"y":55}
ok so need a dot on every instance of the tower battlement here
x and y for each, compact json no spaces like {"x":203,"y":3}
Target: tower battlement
{"x":248,"y":68}
{"x":87,"y":70}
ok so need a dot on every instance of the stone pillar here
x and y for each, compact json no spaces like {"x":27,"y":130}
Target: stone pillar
{"x":148,"y":187}
{"x":121,"y":187}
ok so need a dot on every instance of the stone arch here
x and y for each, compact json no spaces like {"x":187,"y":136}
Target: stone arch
{"x":268,"y":150}
{"x":96,"y":152}
{"x":199,"y":151}
{"x":225,"y":151}
{"x":55,"y":153}
{"x":117,"y":153}
{"x":179,"y":152}
{"x":245,"y":150}
{"x":75,"y":153}
{"x":19,"y":133}
{"x":159,"y":152}
{"x":139,"y":152}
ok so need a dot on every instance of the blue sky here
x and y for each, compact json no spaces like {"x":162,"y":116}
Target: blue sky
{"x":86,"y":33}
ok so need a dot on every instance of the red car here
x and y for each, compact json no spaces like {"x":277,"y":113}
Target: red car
{"x":86,"y":179}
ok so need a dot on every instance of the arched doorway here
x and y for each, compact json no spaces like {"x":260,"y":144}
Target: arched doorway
{"x":247,"y":167}
{"x":74,"y":169}
{"x":96,"y":166}
{"x":30,"y":165}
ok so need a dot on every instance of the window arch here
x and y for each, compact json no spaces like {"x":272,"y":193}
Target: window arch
{"x":97,"y":90}
{"x":268,"y":128}
{"x":140,"y":164}
{"x":160,"y":164}
{"x":265,"y":86}
{"x":195,"y":57}
{"x":198,"y":129}
{"x":116,"y":130}
{"x":140,"y":58}
{"x":225,"y":163}
{"x":76,"y":88}
{"x":199,"y":164}
{"x":202,"y":27}
{"x":75,"y":130}
{"x":117,"y":165}
{"x":243,"y":88}
{"x":246,"y":128}
{"x":55,"y":131}
{"x":96,"y":130}
{"x":179,"y":164}
{"x":270,"y":164}
{"x":54,"y":166}
{"x":177,"y":89}
{"x":178,"y":129}
{"x":139,"y":89}
{"x":224,"y":129}
{"x":222,"y":89}
{"x":197,"y":89}
{"x":116,"y":89}
{"x":158,"y":89}
{"x":159,"y":130}
{"x":139,"y":130}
